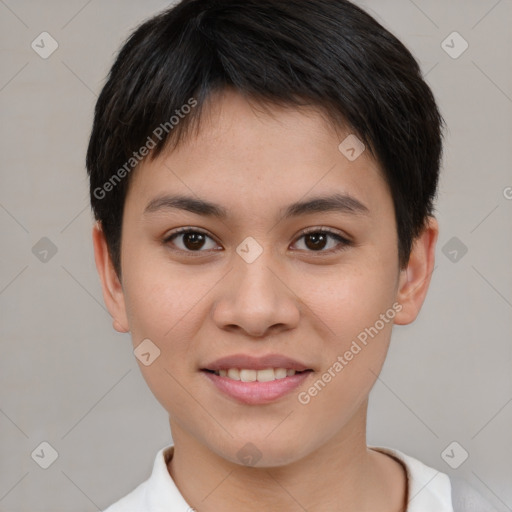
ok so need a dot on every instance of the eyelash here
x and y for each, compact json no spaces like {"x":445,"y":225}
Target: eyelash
{"x":344,"y":242}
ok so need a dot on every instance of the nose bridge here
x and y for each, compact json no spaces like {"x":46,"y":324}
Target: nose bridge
{"x":254,"y":281}
{"x":254,"y":298}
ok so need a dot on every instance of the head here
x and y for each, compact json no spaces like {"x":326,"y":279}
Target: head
{"x":221,"y":117}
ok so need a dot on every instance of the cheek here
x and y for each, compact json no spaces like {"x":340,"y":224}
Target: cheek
{"x":166,"y":306}
{"x":158,"y":296}
{"x":355,"y":311}
{"x":162,"y":309}
{"x":351,"y":298}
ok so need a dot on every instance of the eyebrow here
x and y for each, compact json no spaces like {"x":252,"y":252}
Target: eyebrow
{"x":341,"y":203}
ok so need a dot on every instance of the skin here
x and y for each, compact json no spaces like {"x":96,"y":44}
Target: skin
{"x":294,"y":300}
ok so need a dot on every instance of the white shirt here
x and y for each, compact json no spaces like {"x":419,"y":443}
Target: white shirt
{"x":429,"y":490}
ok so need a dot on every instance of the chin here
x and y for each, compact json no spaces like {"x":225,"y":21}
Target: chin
{"x":259,"y":451}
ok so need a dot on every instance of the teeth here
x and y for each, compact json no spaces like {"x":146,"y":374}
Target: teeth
{"x":234,"y":373}
{"x":246,"y":375}
{"x":281,"y":373}
{"x":265,"y":375}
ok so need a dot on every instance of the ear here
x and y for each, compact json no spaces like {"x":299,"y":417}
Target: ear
{"x":112,"y":289}
{"x":414,"y":280}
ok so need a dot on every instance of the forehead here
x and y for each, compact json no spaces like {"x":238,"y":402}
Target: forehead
{"x":251,"y":156}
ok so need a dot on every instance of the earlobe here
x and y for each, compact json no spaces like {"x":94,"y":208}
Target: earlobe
{"x":113,"y":294}
{"x":415,"y":278}
{"x":119,"y":327}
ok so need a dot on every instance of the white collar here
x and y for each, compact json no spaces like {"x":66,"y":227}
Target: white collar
{"x":428,"y":488}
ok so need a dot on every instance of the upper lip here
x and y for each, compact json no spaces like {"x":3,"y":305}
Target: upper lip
{"x":245,"y":361}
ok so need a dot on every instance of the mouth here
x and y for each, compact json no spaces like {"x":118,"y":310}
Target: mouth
{"x":252,"y":380}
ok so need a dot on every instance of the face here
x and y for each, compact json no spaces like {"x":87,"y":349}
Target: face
{"x":311,"y":288}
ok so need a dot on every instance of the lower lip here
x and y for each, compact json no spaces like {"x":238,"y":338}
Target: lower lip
{"x":253,"y":393}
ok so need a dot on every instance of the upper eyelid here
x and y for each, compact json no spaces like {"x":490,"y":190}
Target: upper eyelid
{"x":331,"y":231}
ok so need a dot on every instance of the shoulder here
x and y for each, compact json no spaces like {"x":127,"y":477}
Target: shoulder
{"x":466,"y":498}
{"x":432,"y":490}
{"x":156,"y":493}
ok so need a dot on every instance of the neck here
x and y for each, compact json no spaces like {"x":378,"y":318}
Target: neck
{"x":341,"y":474}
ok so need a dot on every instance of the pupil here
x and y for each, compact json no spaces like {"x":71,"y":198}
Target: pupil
{"x":196,"y":240}
{"x":316,"y":237}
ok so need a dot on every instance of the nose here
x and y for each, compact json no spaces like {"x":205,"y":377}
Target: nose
{"x":256,"y":300}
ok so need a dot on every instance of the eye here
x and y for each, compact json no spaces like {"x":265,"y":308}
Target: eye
{"x":316,"y":240}
{"x":191,"y":239}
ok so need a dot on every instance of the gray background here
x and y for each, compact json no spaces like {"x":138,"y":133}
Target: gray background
{"x":69,"y":380}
